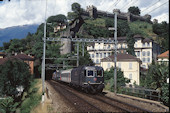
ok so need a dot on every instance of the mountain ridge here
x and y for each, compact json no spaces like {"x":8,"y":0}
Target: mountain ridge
{"x":6,"y":34}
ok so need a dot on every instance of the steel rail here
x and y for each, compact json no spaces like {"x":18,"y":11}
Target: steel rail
{"x":79,"y":98}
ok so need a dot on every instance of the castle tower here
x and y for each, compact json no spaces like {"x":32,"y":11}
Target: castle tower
{"x":66,"y":46}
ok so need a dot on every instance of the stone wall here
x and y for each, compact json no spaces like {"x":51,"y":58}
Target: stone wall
{"x":94,"y":13}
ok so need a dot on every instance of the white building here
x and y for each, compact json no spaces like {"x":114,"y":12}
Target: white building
{"x":145,"y":49}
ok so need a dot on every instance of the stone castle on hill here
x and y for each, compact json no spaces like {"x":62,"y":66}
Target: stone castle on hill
{"x":91,"y":11}
{"x":94,"y":13}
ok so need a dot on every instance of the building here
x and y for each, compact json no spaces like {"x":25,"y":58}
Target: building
{"x":145,"y":49}
{"x":164,"y":57}
{"x":129,"y":64}
{"x":2,"y":55}
{"x":59,"y":27}
{"x":27,"y":59}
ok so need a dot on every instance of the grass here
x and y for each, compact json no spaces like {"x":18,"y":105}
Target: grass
{"x":32,"y":98}
{"x":144,"y":28}
{"x":97,"y":22}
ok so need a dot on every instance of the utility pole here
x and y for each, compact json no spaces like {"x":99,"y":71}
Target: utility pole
{"x":43,"y":61}
{"x":115,"y":54}
{"x":77,"y":54}
{"x":83,"y":48}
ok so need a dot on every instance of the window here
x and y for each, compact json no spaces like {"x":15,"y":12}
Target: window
{"x":148,"y":53}
{"x":121,"y":46}
{"x":100,"y":55}
{"x":143,"y":59}
{"x":104,"y":55}
{"x":148,"y":59}
{"x":143,"y":53}
{"x":138,"y":53}
{"x":92,"y":55}
{"x":97,"y":55}
{"x":97,"y":61}
{"x":119,"y":65}
{"x":143,"y":66}
{"x":130,"y":76}
{"x":130,"y":65}
{"x":143,"y":45}
{"x":99,"y":73}
{"x":108,"y":46}
{"x":109,"y":54}
{"x":108,"y":65}
{"x":90,"y":73}
{"x":148,"y":44}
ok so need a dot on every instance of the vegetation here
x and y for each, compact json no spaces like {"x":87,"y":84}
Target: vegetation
{"x":142,"y":28}
{"x":156,"y":78}
{"x":31,"y":98}
{"x":13,"y":74}
{"x":134,"y":10}
{"x":130,"y":42}
{"x":161,"y":29}
{"x":109,"y":79}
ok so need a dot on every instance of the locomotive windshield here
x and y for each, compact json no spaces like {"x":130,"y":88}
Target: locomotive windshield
{"x":90,"y":73}
{"x":99,"y":73}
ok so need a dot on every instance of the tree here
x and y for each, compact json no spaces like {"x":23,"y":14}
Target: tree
{"x":58,"y":19}
{"x":13,"y":74}
{"x":161,"y":29}
{"x":77,"y":10}
{"x":121,"y":80}
{"x":76,"y":7}
{"x":156,"y":78}
{"x":134,"y":10}
{"x":130,"y":43}
{"x":8,"y":105}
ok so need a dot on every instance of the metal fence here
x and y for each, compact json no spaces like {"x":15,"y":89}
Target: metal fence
{"x":141,"y":92}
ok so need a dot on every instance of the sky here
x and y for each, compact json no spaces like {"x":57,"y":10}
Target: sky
{"x":25,"y":12}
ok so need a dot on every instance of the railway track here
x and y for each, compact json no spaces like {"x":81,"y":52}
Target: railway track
{"x":81,"y":104}
{"x":94,"y":103}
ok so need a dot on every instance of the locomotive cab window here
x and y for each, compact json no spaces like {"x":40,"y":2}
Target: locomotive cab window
{"x":90,"y":73}
{"x":99,"y":73}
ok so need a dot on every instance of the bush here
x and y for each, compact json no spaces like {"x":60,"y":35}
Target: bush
{"x":14,"y":73}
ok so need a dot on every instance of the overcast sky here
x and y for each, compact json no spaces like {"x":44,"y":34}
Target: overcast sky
{"x":22,"y":12}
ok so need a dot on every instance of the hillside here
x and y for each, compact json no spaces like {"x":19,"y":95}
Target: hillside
{"x":144,"y":28}
{"x":99,"y":28}
{"x":16,"y":32}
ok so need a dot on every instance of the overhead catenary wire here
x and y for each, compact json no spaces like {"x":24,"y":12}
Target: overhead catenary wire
{"x":111,"y":6}
{"x":117,"y":2}
{"x":127,"y":5}
{"x":150,"y":6}
{"x":157,"y":7}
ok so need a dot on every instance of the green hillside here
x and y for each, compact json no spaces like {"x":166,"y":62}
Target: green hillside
{"x":99,"y":27}
{"x":144,"y":28}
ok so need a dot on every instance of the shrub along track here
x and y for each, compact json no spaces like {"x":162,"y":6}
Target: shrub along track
{"x":93,"y":103}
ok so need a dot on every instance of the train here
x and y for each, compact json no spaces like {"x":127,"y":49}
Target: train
{"x":87,"y":78}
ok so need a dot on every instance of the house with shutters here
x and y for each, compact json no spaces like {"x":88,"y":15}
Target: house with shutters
{"x":129,"y":65}
{"x":145,"y":49}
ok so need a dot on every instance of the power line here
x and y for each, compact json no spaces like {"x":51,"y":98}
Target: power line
{"x":111,"y":5}
{"x":150,"y":6}
{"x":157,"y":7}
{"x":124,"y":7}
{"x":117,"y":2}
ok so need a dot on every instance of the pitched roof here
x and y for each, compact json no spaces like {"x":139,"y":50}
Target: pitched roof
{"x":164,"y":55}
{"x":121,"y":57}
{"x":3,"y":60}
{"x":19,"y":56}
{"x":24,"y":57}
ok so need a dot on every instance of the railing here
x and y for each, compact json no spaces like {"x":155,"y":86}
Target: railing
{"x":141,"y":92}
